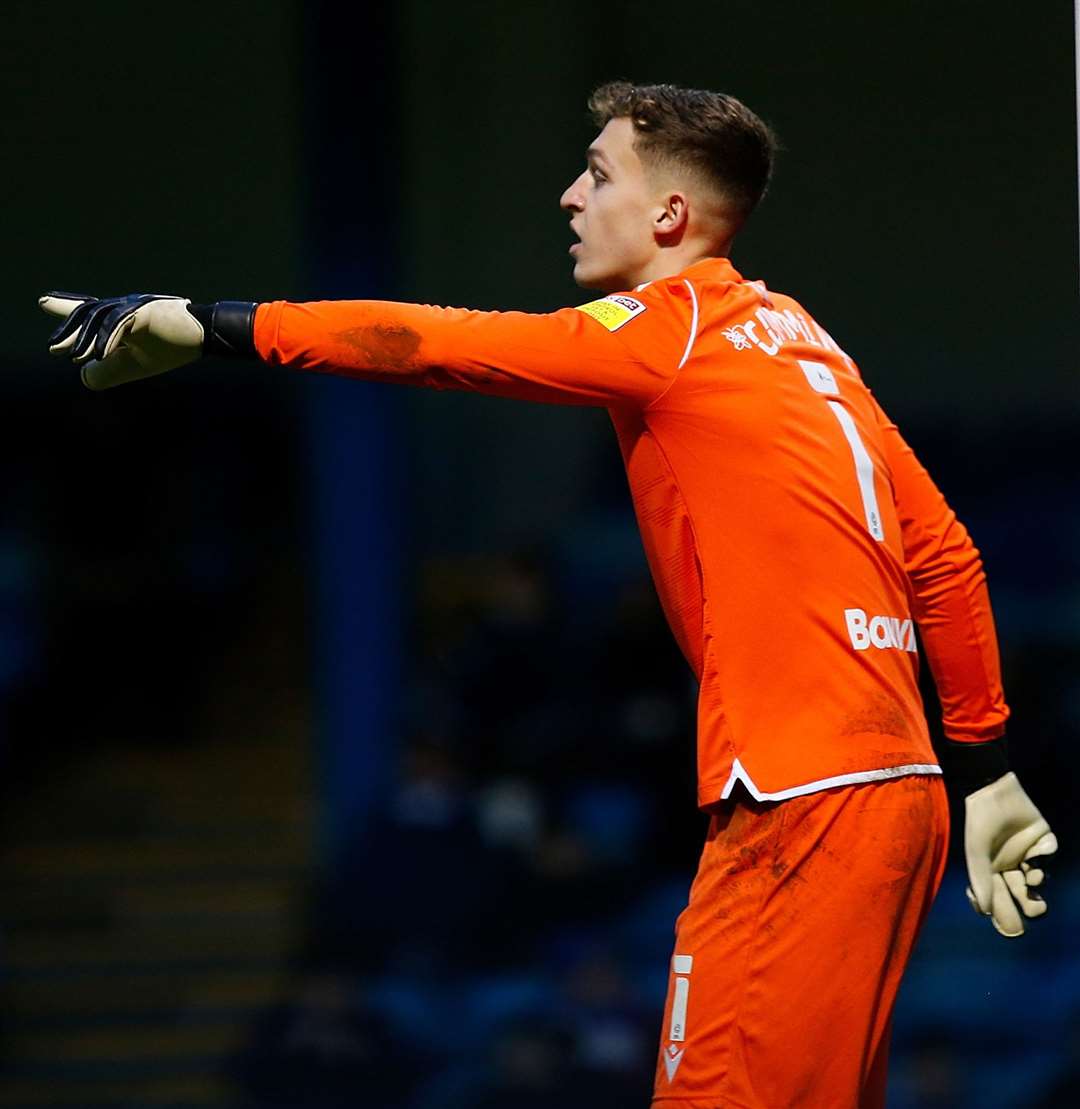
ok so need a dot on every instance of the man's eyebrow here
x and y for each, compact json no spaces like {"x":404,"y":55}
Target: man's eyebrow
{"x":595,"y":154}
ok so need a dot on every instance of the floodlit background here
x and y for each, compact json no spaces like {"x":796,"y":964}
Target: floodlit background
{"x":345,"y":757}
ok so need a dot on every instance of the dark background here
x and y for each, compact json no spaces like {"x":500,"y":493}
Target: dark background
{"x":346,"y":759}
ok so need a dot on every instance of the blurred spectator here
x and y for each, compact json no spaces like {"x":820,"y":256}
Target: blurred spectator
{"x":511,"y":815}
{"x":327,"y":1050}
{"x":615,"y":1027}
{"x":531,"y":1064}
{"x":411,"y":891}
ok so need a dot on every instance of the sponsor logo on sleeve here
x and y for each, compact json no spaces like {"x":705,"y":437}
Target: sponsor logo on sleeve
{"x":613,"y":311}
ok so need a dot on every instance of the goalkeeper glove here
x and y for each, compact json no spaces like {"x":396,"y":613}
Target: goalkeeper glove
{"x":1005,"y":835}
{"x":121,"y":339}
{"x":1004,"y":838}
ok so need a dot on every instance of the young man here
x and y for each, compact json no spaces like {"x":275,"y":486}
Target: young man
{"x":795,"y":542}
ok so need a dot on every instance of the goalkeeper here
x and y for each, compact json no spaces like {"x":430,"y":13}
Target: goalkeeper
{"x":795,"y":542}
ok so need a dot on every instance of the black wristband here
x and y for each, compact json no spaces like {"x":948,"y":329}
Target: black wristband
{"x":228,"y":327}
{"x":970,"y":766}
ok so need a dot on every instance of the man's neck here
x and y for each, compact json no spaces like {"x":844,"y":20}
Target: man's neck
{"x":668,"y":263}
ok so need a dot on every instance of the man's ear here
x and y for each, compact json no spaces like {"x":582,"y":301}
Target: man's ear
{"x":671,"y":217}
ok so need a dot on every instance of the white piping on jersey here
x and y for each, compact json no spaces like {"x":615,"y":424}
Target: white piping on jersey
{"x":693,"y":324}
{"x":739,"y":774}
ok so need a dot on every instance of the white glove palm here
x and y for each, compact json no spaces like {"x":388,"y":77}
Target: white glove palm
{"x":1003,"y":833}
{"x":123,"y":339}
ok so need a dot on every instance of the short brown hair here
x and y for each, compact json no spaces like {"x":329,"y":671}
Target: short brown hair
{"x":713,"y":134}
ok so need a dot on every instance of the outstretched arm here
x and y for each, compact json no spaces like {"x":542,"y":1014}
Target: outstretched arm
{"x":1004,"y":833}
{"x":617,"y":350}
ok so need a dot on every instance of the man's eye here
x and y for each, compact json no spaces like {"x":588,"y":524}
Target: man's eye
{"x":598,"y":176}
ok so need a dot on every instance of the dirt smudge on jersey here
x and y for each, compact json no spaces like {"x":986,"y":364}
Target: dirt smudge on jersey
{"x":880,"y":714}
{"x":383,"y":346}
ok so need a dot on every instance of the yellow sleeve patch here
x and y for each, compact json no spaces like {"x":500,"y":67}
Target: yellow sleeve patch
{"x":613,"y":311}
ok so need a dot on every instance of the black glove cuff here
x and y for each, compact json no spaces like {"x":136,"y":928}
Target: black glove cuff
{"x":970,"y":766}
{"x":228,"y":327}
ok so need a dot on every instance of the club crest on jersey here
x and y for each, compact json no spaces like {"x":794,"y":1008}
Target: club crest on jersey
{"x":613,"y":311}
{"x":737,"y":337}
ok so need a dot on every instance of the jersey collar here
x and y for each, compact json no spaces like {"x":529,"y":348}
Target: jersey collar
{"x":713,"y":269}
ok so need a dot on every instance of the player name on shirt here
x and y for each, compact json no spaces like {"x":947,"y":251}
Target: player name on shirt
{"x":770,"y":330}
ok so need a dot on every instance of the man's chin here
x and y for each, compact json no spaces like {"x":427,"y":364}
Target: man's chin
{"x":585,"y":278}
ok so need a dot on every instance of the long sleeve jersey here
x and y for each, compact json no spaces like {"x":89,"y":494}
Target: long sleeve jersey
{"x":792,"y":535}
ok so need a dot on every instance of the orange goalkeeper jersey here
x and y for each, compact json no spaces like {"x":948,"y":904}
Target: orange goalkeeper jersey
{"x":794,"y":539}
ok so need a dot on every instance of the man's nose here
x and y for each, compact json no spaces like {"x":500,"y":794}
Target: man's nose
{"x":573,"y":200}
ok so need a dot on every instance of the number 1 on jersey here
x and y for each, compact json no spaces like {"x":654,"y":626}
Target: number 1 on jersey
{"x":821,"y":380}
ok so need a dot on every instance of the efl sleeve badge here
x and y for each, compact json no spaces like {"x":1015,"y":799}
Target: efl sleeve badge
{"x":613,"y":311}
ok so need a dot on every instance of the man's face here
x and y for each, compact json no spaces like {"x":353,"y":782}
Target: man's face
{"x":612,"y":211}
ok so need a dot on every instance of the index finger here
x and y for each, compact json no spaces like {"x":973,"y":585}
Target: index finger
{"x":62,"y":304}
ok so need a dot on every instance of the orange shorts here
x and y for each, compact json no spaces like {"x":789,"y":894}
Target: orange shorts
{"x":789,"y":956}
